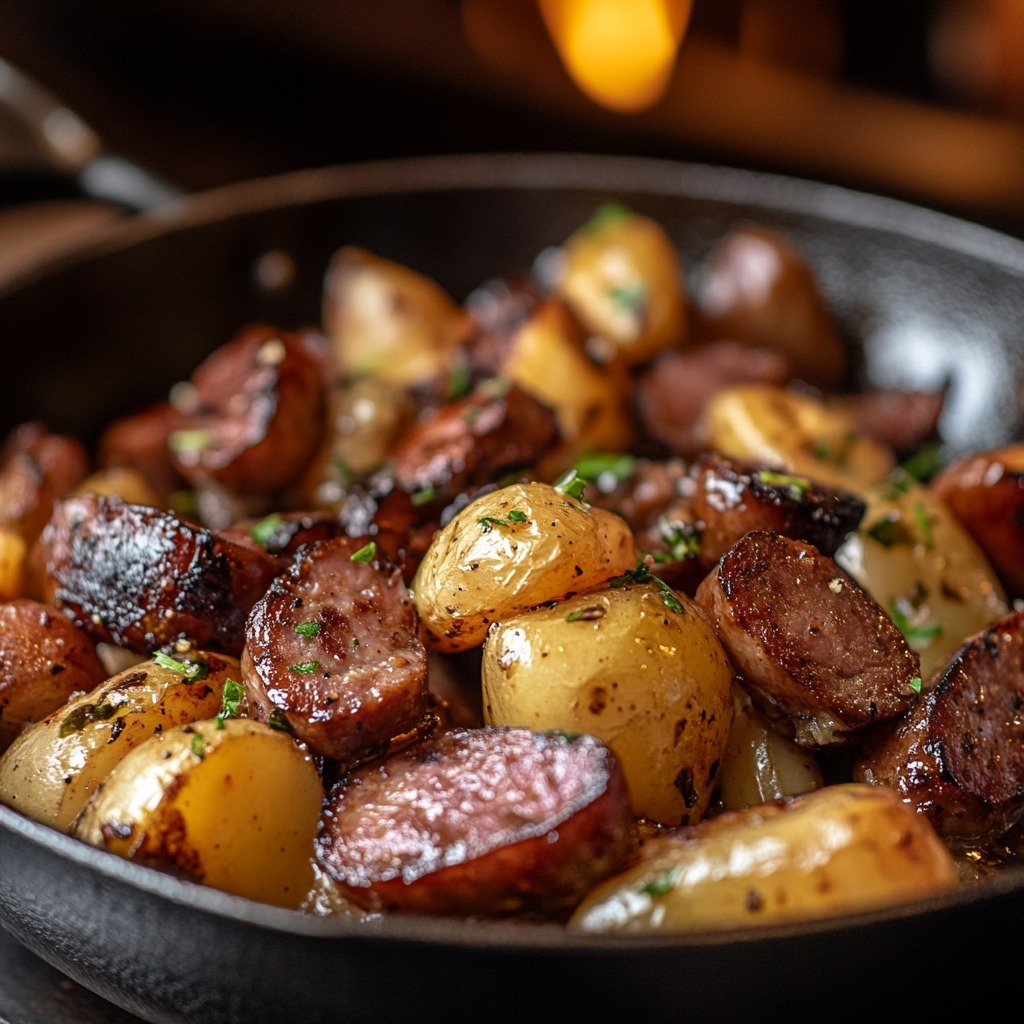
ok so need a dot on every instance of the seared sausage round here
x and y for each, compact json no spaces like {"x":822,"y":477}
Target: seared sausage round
{"x":37,"y":468}
{"x":732,"y":497}
{"x":333,"y":647}
{"x":259,"y":413}
{"x":491,"y":821}
{"x":142,"y":578}
{"x":817,"y":655}
{"x":959,"y":754}
{"x":44,"y":659}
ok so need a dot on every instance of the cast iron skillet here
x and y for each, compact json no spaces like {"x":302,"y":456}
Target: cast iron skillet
{"x":925,"y":298}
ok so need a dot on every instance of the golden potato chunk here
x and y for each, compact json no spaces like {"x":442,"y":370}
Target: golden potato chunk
{"x":509,"y":550}
{"x":51,"y":770}
{"x":837,"y":850}
{"x":233,"y":804}
{"x":638,"y":667}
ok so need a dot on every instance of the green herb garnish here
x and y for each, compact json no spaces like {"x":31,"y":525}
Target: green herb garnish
{"x":85,"y":715}
{"x":643,"y":574}
{"x":629,"y":298}
{"x":606,"y":469}
{"x":662,"y":885}
{"x":198,"y":745}
{"x":191,"y":668}
{"x":800,"y":484}
{"x":366,"y":553}
{"x":305,"y":666}
{"x":264,"y":530}
{"x":487,"y":523}
{"x":605,"y":215}
{"x":308,"y":629}
{"x":915,"y":684}
{"x":571,"y":484}
{"x":423,"y":496}
{"x":916,"y":636}
{"x":183,"y":441}
{"x":231,"y":700}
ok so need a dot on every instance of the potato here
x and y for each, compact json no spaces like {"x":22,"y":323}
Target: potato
{"x":621,"y":274}
{"x":919,"y":563}
{"x":233,"y":804}
{"x":51,"y":770}
{"x":797,"y":434}
{"x":124,"y":482}
{"x":648,"y":678}
{"x":387,"y":319}
{"x":548,"y":358}
{"x":759,"y":763}
{"x":509,"y":550}
{"x":840,"y":849}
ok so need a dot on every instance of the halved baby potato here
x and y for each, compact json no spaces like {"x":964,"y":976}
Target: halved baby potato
{"x":841,"y":849}
{"x":638,"y":667}
{"x":231,"y":803}
{"x":50,"y":771}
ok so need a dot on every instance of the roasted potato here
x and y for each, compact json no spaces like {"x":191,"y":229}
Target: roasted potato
{"x":918,"y":562}
{"x":231,"y":803}
{"x":548,"y":358}
{"x":621,"y":274}
{"x":386,"y":319}
{"x":838,"y":850}
{"x":759,"y":763}
{"x":51,"y":770}
{"x":795,"y":433}
{"x":509,"y":550}
{"x":635,"y":665}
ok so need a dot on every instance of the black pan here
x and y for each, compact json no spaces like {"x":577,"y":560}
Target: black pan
{"x":926,"y":298}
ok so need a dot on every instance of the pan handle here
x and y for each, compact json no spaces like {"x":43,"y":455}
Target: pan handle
{"x":39,"y":134}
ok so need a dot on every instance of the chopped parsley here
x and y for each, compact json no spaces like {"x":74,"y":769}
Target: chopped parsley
{"x":571,"y":484}
{"x":917,"y":636}
{"x":231,"y":700}
{"x":629,"y":298}
{"x":191,"y":668}
{"x":800,"y":484}
{"x":837,"y":450}
{"x":662,"y":885}
{"x":643,"y":574}
{"x":366,"y":553}
{"x":591,"y":613}
{"x":85,"y":715}
{"x":308,"y":629}
{"x":263,"y":531}
{"x":606,"y":469}
{"x":423,"y":495}
{"x":890,"y":530}
{"x":198,"y":745}
{"x":924,"y":463}
{"x":277,"y":720}
{"x":915,"y":684}
{"x":184,"y":441}
{"x":305,"y":666}
{"x":487,"y":523}
{"x":924,"y":526}
{"x":604,"y":216}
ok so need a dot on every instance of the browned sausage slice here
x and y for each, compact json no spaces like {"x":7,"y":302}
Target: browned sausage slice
{"x":732,"y":497}
{"x":259,"y":413}
{"x":44,"y":659}
{"x":491,"y":821}
{"x":37,"y":468}
{"x":142,"y":578}
{"x":333,"y":647}
{"x":816,"y":654}
{"x":959,"y":754}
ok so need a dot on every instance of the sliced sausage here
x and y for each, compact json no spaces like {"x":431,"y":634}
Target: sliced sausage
{"x":333,"y":648}
{"x":37,"y":468}
{"x":258,"y":413}
{"x":472,"y":441}
{"x":671,"y":394}
{"x":817,"y":655}
{"x":44,"y":659}
{"x":959,"y":754}
{"x":141,"y":578}
{"x":732,"y":497}
{"x":491,"y":821}
{"x":986,"y":494}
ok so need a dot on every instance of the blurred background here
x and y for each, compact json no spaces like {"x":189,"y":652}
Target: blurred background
{"x":919,"y":99}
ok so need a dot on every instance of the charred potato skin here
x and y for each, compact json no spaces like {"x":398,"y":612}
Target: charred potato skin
{"x":651,"y":681}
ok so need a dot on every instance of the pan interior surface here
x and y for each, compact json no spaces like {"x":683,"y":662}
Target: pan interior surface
{"x":925,"y":301}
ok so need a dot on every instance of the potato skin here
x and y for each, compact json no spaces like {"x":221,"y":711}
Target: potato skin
{"x":51,"y":770}
{"x":232,"y":804}
{"x":509,"y":550}
{"x":651,"y":682}
{"x":841,"y":849}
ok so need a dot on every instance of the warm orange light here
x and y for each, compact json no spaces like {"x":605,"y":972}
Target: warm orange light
{"x":619,"y":52}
